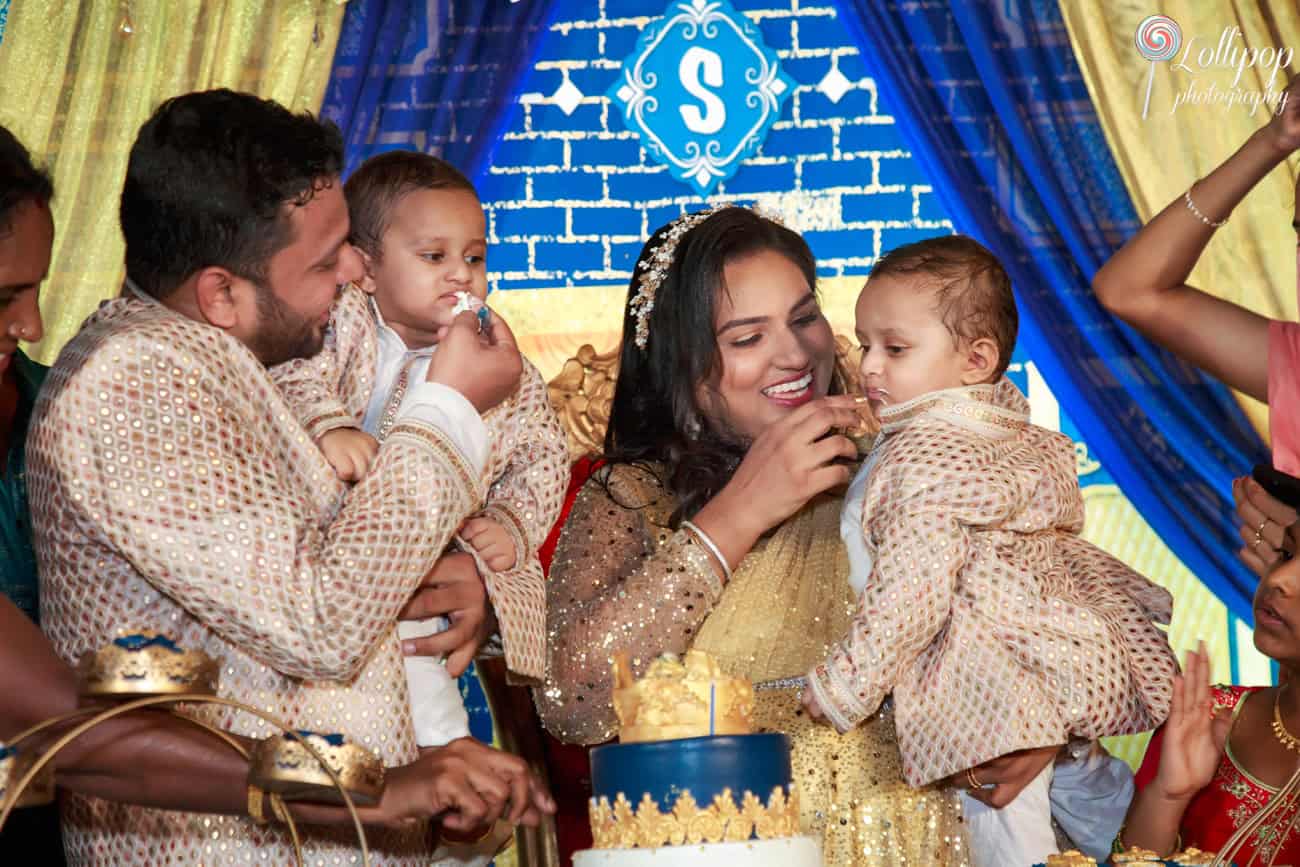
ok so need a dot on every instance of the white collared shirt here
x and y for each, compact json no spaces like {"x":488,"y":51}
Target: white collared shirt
{"x":429,"y":402}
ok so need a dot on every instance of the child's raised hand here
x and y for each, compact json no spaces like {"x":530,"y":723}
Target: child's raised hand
{"x":491,"y":541}
{"x":1194,"y":734}
{"x":349,"y":451}
{"x":1285,"y":125}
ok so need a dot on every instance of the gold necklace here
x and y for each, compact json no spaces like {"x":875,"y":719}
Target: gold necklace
{"x":1284,"y":737}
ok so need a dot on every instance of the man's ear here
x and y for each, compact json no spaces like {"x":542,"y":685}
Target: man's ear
{"x":367,"y":281}
{"x":216,"y":297}
{"x":982,"y":361}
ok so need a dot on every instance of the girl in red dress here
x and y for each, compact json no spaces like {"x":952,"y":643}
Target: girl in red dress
{"x":1223,"y":774}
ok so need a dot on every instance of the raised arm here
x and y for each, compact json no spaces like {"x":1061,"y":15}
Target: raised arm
{"x":1145,"y":282}
{"x":253,"y":536}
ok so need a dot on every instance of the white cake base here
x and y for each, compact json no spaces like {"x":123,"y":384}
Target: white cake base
{"x":785,"y":852}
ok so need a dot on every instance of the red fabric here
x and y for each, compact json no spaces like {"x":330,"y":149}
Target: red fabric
{"x":1231,"y":798}
{"x":578,"y":476}
{"x":568,"y":765}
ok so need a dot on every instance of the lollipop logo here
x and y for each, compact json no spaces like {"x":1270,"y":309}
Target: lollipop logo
{"x":1158,"y":38}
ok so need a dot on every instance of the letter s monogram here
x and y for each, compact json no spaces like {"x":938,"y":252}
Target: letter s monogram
{"x":688,"y":71}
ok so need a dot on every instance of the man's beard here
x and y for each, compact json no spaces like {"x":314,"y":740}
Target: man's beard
{"x":282,"y":334}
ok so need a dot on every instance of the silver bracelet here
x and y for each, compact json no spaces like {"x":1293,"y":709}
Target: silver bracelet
{"x":1191,"y":206}
{"x":703,"y":538}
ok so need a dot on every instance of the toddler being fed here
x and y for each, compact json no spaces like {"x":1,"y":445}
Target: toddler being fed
{"x":422,"y":236}
{"x":993,"y":624}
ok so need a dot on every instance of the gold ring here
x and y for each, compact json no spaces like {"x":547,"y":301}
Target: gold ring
{"x":971,"y":780}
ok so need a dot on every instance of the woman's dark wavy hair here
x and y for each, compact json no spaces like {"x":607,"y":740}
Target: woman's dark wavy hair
{"x":655,"y":392}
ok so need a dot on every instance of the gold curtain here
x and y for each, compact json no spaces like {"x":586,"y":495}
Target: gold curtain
{"x":78,"y":78}
{"x":1250,"y":261}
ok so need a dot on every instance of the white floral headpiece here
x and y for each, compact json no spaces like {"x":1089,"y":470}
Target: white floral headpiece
{"x":655,"y":264}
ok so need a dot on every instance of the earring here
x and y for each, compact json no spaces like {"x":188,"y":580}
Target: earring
{"x":692,"y":427}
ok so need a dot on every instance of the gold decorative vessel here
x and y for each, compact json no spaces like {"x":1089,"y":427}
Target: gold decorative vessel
{"x":143,"y":664}
{"x":148,"y":670}
{"x":284,"y":765}
{"x":14,"y":764}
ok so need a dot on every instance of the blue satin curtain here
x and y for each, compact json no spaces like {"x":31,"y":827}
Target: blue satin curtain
{"x":994,"y":108}
{"x":439,"y":76}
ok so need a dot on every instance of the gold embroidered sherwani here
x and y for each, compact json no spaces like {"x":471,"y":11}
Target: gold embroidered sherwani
{"x":621,"y":580}
{"x":527,"y":472}
{"x":173,"y":489}
{"x":995,"y":626}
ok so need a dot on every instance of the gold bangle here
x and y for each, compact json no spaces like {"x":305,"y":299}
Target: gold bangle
{"x":256,"y":802}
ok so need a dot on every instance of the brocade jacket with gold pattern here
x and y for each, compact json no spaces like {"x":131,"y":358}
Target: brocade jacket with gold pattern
{"x":173,"y":489}
{"x":995,"y":626}
{"x":527,"y":471}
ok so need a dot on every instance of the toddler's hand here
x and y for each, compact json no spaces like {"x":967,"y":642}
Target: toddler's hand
{"x":811,"y":705}
{"x":349,"y":451}
{"x":492,"y":542}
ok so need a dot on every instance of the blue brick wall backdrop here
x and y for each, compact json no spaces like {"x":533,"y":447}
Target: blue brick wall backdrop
{"x":571,"y":193}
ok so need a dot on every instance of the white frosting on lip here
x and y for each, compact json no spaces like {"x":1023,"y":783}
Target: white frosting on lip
{"x":465,"y":301}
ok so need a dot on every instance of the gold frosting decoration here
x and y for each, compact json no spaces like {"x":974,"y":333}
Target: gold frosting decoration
{"x":621,"y":826}
{"x":680,"y":699}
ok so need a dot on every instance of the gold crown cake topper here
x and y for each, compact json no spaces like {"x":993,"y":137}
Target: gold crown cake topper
{"x":146,"y":663}
{"x":686,"y":698}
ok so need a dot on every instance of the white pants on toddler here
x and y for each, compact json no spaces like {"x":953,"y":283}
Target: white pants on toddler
{"x":1087,"y":795}
{"x":439,"y":716}
{"x":437,"y":709}
{"x":1018,"y":835}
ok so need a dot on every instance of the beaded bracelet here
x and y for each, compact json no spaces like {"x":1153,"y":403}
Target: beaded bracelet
{"x":1191,"y":206}
{"x":703,"y":539}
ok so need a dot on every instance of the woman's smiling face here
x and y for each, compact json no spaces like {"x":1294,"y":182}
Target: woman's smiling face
{"x":776,"y":348}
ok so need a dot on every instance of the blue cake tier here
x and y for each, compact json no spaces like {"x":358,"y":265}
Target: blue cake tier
{"x":704,"y":766}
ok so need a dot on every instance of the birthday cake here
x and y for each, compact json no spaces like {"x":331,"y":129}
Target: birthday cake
{"x":689,"y":783}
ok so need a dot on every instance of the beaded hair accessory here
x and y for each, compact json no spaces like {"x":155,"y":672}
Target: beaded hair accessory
{"x":655,"y":264}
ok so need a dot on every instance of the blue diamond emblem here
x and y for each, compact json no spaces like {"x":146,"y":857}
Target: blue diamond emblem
{"x":702,"y":90}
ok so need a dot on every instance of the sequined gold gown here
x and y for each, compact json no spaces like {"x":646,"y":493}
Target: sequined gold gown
{"x":622,"y":581}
